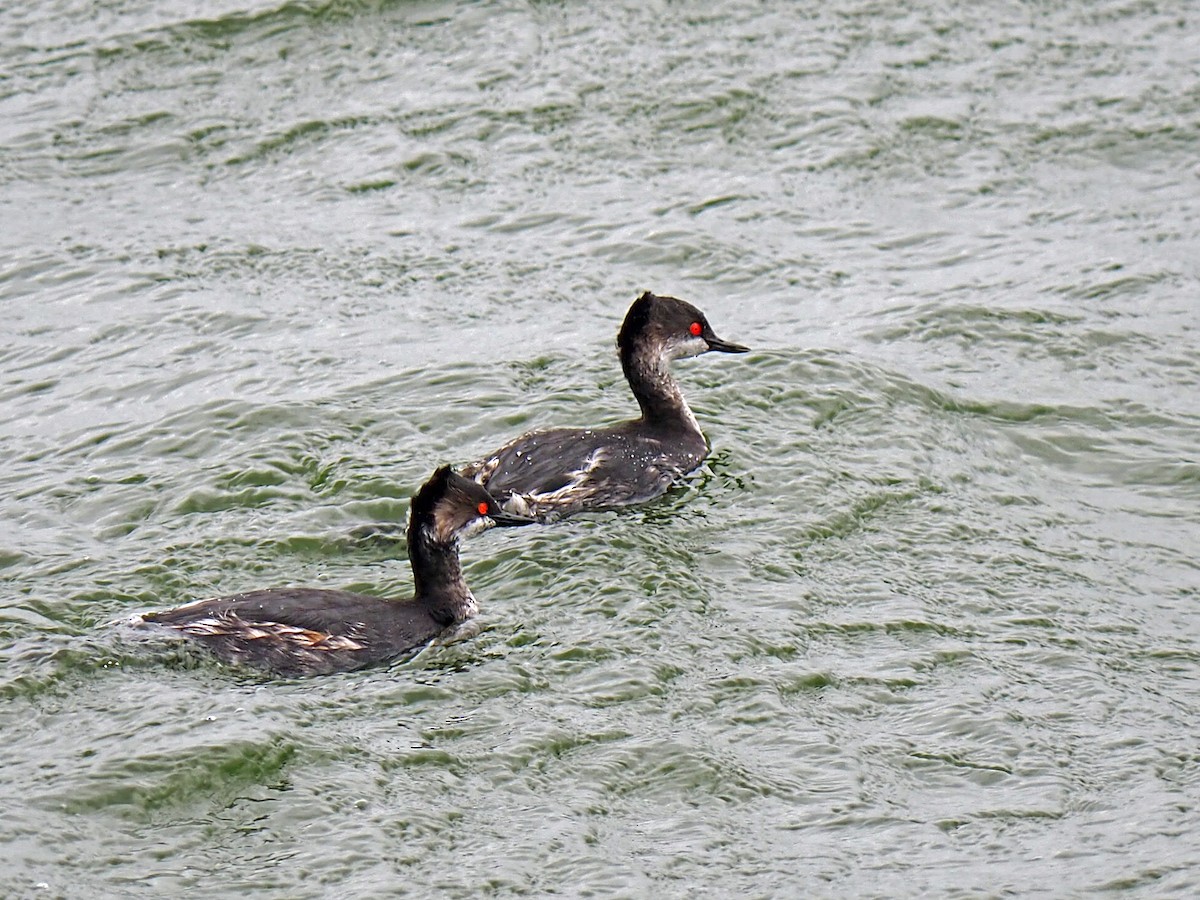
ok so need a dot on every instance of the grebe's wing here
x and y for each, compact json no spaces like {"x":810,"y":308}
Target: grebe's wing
{"x":551,"y":474}
{"x":307,"y":614}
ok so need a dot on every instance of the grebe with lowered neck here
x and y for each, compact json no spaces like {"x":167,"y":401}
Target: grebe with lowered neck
{"x":547,"y":475}
{"x":310,"y":631}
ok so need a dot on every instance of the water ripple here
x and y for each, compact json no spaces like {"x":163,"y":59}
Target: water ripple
{"x":923,"y":624}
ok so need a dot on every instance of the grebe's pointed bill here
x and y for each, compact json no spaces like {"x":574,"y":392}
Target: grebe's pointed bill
{"x":723,"y":346}
{"x":505,"y":519}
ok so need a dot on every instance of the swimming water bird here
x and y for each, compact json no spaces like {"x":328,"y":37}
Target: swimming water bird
{"x":309,"y":631}
{"x":547,"y":475}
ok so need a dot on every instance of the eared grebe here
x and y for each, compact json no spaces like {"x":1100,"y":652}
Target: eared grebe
{"x":307,"y":631}
{"x":551,"y":474}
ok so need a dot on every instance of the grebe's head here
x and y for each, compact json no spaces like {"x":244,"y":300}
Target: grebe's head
{"x":449,"y":507}
{"x":674,"y":327}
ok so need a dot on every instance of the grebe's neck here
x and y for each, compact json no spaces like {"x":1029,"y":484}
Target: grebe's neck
{"x":648,"y":371}
{"x":437,"y":575}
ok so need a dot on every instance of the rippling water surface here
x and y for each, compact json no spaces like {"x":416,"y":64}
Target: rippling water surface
{"x":928,"y":621}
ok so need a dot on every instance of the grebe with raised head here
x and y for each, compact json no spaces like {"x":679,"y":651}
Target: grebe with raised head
{"x":311,"y":631}
{"x":549,"y":474}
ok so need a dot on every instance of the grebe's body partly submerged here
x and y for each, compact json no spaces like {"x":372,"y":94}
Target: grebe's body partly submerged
{"x":550,"y":474}
{"x":308,"y":631}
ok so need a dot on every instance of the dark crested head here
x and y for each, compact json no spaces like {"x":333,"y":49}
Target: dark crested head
{"x":675,"y":326}
{"x":449,"y":506}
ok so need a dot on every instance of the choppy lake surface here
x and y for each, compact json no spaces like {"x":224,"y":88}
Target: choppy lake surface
{"x":927,"y":623}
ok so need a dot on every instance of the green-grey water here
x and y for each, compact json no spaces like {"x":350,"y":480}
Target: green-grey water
{"x":926,"y":624}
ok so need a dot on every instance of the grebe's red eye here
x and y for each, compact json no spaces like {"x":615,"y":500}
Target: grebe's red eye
{"x":482,"y":507}
{"x":695,"y":329}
